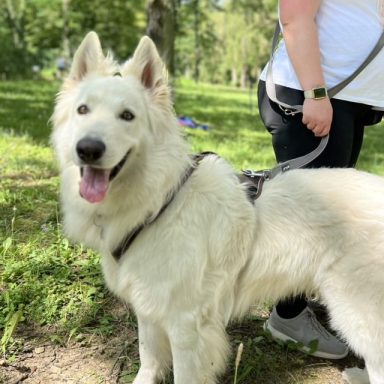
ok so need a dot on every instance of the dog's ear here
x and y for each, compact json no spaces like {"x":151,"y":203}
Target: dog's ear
{"x":87,"y":58}
{"x":147,"y":64}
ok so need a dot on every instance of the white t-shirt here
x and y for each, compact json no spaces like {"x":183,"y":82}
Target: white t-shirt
{"x":348,"y":30}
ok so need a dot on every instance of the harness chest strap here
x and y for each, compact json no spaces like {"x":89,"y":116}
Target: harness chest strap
{"x":118,"y":252}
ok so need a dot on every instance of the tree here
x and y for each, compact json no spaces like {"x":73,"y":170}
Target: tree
{"x":224,"y":41}
{"x":14,"y":57}
{"x":198,"y":48}
{"x":248,"y":28}
{"x":36,"y":32}
{"x":208,"y":40}
{"x":161,"y":28}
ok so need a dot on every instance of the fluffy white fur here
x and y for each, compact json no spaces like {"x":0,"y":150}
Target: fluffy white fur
{"x":212,"y":253}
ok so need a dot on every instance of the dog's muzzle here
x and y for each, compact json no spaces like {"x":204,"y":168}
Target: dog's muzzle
{"x":95,"y":179}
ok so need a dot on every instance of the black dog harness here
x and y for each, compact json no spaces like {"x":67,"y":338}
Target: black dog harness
{"x":254,"y":180}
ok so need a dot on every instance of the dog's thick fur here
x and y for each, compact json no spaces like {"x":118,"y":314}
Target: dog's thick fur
{"x":212,"y":253}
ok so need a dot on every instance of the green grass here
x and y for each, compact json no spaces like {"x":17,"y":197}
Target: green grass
{"x":236,"y":132}
{"x":47,"y":283}
{"x":43,"y":278}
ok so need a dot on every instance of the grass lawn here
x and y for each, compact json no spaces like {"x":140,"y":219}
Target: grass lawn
{"x":54,"y":289}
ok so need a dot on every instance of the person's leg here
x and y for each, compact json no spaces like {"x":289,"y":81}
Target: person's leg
{"x":283,"y":129}
{"x":291,"y":307}
{"x":290,"y":139}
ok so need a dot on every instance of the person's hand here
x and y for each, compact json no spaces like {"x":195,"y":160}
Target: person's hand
{"x":317,"y":116}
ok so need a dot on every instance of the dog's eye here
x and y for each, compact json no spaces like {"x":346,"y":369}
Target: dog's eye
{"x":82,"y":110}
{"x":127,"y":115}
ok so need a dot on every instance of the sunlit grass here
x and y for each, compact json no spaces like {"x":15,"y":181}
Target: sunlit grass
{"x":29,"y":182}
{"x":51,"y":282}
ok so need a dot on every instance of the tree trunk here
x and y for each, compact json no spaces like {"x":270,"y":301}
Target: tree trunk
{"x":196,"y":28}
{"x":234,"y":77}
{"x":66,"y":46}
{"x":161,"y":29}
{"x":243,"y":78}
{"x":15,"y":17}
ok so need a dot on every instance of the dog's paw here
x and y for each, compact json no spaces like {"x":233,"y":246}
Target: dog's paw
{"x":145,"y":376}
{"x":356,"y":376}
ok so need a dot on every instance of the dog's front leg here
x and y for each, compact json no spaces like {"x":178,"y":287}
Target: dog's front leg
{"x":199,"y":350}
{"x":155,"y":353}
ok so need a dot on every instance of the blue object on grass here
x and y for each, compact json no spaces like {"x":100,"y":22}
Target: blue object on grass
{"x":186,"y":121}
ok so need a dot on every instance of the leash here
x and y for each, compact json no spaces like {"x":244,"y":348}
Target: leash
{"x":296,"y":163}
{"x":257,"y":178}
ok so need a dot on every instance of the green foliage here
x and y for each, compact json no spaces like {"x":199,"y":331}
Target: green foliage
{"x":216,"y":41}
{"x":9,"y":328}
{"x":224,"y":44}
{"x":120,"y":24}
{"x":36,"y":32}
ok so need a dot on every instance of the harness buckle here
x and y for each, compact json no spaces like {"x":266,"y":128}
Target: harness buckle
{"x":256,"y":181}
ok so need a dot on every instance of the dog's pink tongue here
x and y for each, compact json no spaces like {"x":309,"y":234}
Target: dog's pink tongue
{"x":94,"y":184}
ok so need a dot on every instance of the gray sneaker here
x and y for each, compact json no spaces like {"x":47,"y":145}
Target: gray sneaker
{"x":307,"y":331}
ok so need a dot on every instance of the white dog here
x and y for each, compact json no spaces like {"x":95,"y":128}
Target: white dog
{"x":181,"y":239}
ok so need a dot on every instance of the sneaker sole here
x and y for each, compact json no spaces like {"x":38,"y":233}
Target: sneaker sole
{"x":281,"y":336}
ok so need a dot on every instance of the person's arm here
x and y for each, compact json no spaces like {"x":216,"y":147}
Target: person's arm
{"x":301,"y":39}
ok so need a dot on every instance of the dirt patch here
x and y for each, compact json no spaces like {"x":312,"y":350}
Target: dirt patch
{"x":42,"y":356}
{"x":90,"y":362}
{"x":113,"y":362}
{"x":98,"y":359}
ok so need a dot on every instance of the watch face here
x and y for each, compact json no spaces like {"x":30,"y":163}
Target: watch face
{"x":319,"y":93}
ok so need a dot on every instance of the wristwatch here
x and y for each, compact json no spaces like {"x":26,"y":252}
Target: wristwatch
{"x":316,"y":93}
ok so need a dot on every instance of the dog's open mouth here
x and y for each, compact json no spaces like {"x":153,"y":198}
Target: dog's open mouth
{"x":95,"y":181}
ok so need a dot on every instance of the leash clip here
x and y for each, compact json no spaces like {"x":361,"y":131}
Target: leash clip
{"x":265,"y":174}
{"x":288,"y":112}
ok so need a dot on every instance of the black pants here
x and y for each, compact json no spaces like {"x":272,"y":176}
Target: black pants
{"x":291,"y":139}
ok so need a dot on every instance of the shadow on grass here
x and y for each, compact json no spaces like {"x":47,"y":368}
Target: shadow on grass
{"x":26,"y":107}
{"x":265,"y":361}
{"x":372,"y":153}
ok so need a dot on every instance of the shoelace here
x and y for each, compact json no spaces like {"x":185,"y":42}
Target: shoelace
{"x":316,"y":326}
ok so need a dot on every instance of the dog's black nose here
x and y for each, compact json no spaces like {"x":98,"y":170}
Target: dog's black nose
{"x":90,"y":150}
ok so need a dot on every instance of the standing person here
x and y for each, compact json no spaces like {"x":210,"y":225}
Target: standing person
{"x":61,"y":66}
{"x":324,"y":41}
